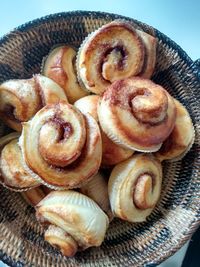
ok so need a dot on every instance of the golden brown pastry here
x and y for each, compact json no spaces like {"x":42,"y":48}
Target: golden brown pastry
{"x":59,"y":66}
{"x":88,"y":104}
{"x":13,"y":174}
{"x":97,"y":189}
{"x":134,"y":187}
{"x":137,"y":114}
{"x":33,"y":196}
{"x":113,"y":52}
{"x":54,"y":235}
{"x":150,"y":44}
{"x":181,"y":138}
{"x":21,"y":99}
{"x":82,"y":220}
{"x":111,"y":152}
{"x":61,"y":240}
{"x":62,"y":147}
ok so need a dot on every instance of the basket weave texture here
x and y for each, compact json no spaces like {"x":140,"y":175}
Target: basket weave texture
{"x":177,"y":214}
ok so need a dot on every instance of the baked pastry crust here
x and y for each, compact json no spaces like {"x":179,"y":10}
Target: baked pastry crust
{"x":21,"y":99}
{"x":97,"y":189}
{"x":181,"y":138}
{"x":137,"y":114}
{"x":113,"y":52}
{"x":59,"y":66}
{"x":150,"y":45}
{"x":134,"y":187}
{"x":13,"y":174}
{"x":75,"y":213}
{"x":62,"y":148}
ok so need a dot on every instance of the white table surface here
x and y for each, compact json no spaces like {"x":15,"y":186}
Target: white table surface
{"x":178,"y":19}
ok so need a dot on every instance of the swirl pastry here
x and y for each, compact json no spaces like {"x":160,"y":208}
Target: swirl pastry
{"x":181,"y":138}
{"x":62,"y":148}
{"x":21,"y":99}
{"x":111,"y":152}
{"x":59,"y":66}
{"x":33,"y":196}
{"x":97,"y":189}
{"x":137,"y":114}
{"x":150,"y":44}
{"x":60,"y":239}
{"x":134,"y":187}
{"x":13,"y":174}
{"x":113,"y":52}
{"x":82,"y":220}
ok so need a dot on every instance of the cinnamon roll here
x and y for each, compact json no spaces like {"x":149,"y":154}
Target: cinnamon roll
{"x":181,"y":138}
{"x":61,"y":147}
{"x":61,"y":240}
{"x":13,"y":174}
{"x":150,"y":44}
{"x":21,"y":99}
{"x":134,"y":187}
{"x":59,"y":66}
{"x":137,"y":114}
{"x":82,"y":222}
{"x":113,"y":52}
{"x":111,"y":152}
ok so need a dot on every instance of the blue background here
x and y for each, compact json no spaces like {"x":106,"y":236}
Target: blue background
{"x":178,"y":19}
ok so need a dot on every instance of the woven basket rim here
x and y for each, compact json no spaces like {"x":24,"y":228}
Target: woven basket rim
{"x":183,"y":55}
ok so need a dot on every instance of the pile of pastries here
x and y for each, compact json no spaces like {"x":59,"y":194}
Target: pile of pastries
{"x":87,"y":112}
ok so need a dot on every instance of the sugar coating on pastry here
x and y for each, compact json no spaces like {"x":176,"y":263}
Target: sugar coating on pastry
{"x":15,"y":99}
{"x":21,"y":99}
{"x":59,"y":65}
{"x":62,"y":148}
{"x":137,"y":113}
{"x":13,"y":174}
{"x":113,"y":52}
{"x":181,"y":138}
{"x":134,"y":187}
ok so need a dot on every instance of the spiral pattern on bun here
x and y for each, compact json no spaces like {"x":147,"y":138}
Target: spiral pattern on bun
{"x":137,"y":114}
{"x":21,"y":99}
{"x":83,"y":224}
{"x":113,"y":52}
{"x":134,"y":187}
{"x":61,"y":147}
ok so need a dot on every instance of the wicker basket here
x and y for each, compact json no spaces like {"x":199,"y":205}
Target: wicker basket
{"x":177,"y":214}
